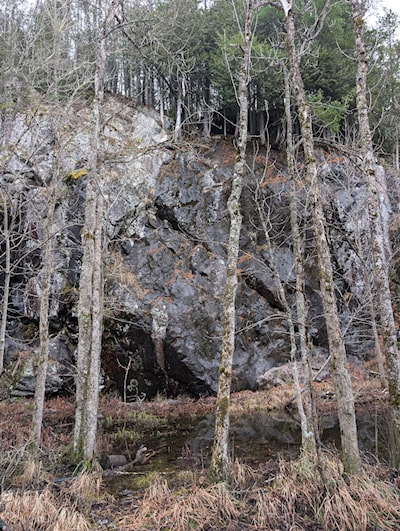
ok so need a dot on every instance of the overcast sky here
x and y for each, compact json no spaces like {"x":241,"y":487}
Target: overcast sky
{"x":392,"y":4}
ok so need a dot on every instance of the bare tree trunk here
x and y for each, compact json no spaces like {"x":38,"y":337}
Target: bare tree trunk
{"x":179,"y":109}
{"x":378,"y":240}
{"x":220,"y":457}
{"x":207,"y":111}
{"x":343,"y":387}
{"x":90,"y":308}
{"x":309,"y":427}
{"x":43,"y":356}
{"x":262,"y":127}
{"x":162,"y":106}
{"x":7,"y":276}
{"x":306,"y":423}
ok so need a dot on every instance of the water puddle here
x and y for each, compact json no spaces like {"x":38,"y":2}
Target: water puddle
{"x":185,"y":445}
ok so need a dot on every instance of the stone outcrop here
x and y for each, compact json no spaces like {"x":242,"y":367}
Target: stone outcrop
{"x":165,"y":250}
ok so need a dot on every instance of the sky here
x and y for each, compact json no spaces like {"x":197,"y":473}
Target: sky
{"x":394,"y":5}
{"x":376,"y":10}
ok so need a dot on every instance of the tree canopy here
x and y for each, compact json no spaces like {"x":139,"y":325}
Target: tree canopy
{"x":181,"y":57}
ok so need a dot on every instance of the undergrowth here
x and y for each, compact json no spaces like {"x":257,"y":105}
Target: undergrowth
{"x":295,"y":499}
{"x":278,"y":494}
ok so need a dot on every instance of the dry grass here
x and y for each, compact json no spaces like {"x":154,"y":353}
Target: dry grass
{"x":295,"y":499}
{"x":362,"y":504}
{"x":86,"y":487}
{"x":31,"y":473}
{"x":213,"y":507}
{"x":277,"y":495}
{"x":298,"y":497}
{"x":41,"y":511}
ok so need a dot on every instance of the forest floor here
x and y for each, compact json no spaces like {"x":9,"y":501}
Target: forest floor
{"x":269,"y":488}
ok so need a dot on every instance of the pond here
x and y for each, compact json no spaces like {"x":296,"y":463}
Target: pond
{"x":254,"y":438}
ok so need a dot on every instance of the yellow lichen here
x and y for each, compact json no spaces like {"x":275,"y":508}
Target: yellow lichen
{"x":76,"y":174}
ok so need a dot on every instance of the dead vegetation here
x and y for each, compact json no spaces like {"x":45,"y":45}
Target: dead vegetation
{"x":23,"y":510}
{"x":294,"y":499}
{"x":279,"y":495}
{"x":269,"y":494}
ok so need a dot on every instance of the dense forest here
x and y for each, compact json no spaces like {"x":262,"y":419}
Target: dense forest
{"x":313,"y":81}
{"x":182,"y":59}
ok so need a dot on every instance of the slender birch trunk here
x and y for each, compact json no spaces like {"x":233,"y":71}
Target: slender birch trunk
{"x":341,"y":378}
{"x":43,"y":355}
{"x":373,"y":175}
{"x":309,"y":428}
{"x":307,"y":432}
{"x":7,"y":276}
{"x":90,"y":306}
{"x":220,"y":456}
{"x":179,"y":108}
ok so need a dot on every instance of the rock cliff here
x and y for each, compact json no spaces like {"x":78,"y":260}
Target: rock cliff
{"x":164,"y":252}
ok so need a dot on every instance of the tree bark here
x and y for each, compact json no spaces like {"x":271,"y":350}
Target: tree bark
{"x":342,"y":382}
{"x":179,"y":108}
{"x":374,"y":176}
{"x":90,"y":306}
{"x":43,"y":356}
{"x":7,"y":276}
{"x":220,"y":456}
{"x":309,"y":428}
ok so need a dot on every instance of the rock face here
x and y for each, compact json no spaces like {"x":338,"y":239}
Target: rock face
{"x":164,"y":254}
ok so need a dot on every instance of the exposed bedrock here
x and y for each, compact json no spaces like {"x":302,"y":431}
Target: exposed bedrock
{"x":164,"y":261}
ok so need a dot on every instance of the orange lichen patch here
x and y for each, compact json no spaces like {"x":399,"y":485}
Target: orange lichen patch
{"x":396,"y":316}
{"x":119,"y":272}
{"x":187,"y":275}
{"x":334,"y":158}
{"x":277,"y":179}
{"x":162,"y":299}
{"x":358,"y":373}
{"x":261,"y":159}
{"x":196,"y":248}
{"x":330,"y":158}
{"x":262,"y":248}
{"x":228,"y":154}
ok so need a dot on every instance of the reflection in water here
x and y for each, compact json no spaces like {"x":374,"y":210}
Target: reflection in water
{"x":254,"y":438}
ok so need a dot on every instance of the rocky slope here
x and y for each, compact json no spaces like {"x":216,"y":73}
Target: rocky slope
{"x":165,"y":250}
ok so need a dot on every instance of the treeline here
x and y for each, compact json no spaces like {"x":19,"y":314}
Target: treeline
{"x":182,"y":57}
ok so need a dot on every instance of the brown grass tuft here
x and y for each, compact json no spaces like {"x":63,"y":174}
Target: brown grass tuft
{"x":189,"y":508}
{"x":362,"y":504}
{"x":241,"y":476}
{"x":40,"y":510}
{"x":298,"y":497}
{"x":86,"y":487}
{"x":32,"y":473}
{"x":295,"y":499}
